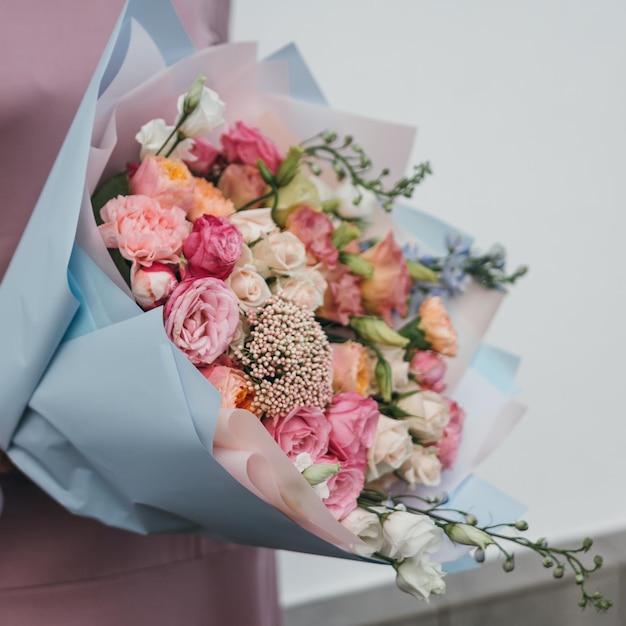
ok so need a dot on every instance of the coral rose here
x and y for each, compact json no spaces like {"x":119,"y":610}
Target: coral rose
{"x":388,"y":288}
{"x":201,"y":318}
{"x":165,"y":180}
{"x":213,"y":247}
{"x":437,"y":327}
{"x":143,"y":230}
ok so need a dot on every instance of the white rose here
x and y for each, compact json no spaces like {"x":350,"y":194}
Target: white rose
{"x":429,"y":413}
{"x":249,"y":287}
{"x":153,"y":135}
{"x":306,"y":288}
{"x":240,"y":334}
{"x":279,"y":253}
{"x":365,"y":525}
{"x":420,"y":577}
{"x":392,"y":447}
{"x":423,"y":467}
{"x":406,"y":535}
{"x":254,"y":223}
{"x":208,"y":115}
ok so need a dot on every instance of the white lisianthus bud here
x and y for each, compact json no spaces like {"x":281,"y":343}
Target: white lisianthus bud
{"x":468,"y":535}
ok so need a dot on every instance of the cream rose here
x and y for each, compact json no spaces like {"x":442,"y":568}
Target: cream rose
{"x":392,"y":447}
{"x":254,"y":223}
{"x":306,"y":288}
{"x":279,"y":253}
{"x":428,"y":413}
{"x":423,"y":466}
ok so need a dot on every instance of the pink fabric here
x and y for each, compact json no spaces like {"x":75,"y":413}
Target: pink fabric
{"x":56,"y":568}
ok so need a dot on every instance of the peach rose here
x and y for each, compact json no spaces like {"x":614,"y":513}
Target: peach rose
{"x":350,"y":367}
{"x":209,"y":200}
{"x":437,"y":327}
{"x":388,"y":288}
{"x":165,"y":180}
{"x":231,"y":384}
{"x":143,"y":230}
{"x":241,"y":184}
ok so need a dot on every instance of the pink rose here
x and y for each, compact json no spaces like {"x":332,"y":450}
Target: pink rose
{"x":143,"y":230}
{"x":342,"y":298}
{"x":206,"y":154}
{"x":449,"y":445}
{"x":388,"y":288}
{"x":303,"y":429}
{"x":213,"y":247}
{"x":208,"y":200}
{"x":345,"y":487}
{"x":437,"y":327}
{"x":231,"y":384}
{"x":350,"y":367}
{"x":313,"y":229}
{"x":353,"y":419}
{"x":428,"y":369}
{"x":152,"y":286}
{"x":241,"y":184}
{"x":165,"y":180}
{"x":245,"y":144}
{"x":201,"y":318}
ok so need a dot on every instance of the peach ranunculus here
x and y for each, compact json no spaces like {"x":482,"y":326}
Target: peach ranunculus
{"x":231,"y":384}
{"x":165,"y":180}
{"x":242,"y":184}
{"x":246,"y":144}
{"x":209,"y":200}
{"x":350,"y":367}
{"x":314,"y":229}
{"x":342,"y":298}
{"x":388,"y":288}
{"x":437,"y":327}
{"x":143,"y":230}
{"x":201,"y":318}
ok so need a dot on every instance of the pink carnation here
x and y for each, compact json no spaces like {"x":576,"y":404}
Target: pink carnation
{"x":429,"y":369}
{"x":449,"y":444}
{"x":303,"y":429}
{"x":353,"y":420}
{"x":143,"y":230}
{"x":213,"y":247}
{"x":313,"y":229}
{"x":345,"y":487}
{"x":201,"y":318}
{"x":342,"y":298}
{"x":246,"y":144}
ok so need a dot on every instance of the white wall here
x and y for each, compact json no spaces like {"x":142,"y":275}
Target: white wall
{"x":521,"y":108}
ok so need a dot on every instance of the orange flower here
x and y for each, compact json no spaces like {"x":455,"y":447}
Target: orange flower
{"x":209,"y":200}
{"x":437,"y":327}
{"x":350,"y":367}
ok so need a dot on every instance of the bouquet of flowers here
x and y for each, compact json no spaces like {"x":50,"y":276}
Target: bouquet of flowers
{"x":267,"y":265}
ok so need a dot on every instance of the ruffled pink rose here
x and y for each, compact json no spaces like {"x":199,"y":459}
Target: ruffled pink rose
{"x":353,"y":419}
{"x":205,"y":154}
{"x":165,"y":180}
{"x":437,"y":327}
{"x":201,"y":318}
{"x":303,"y":429}
{"x":143,"y":230}
{"x":213,"y":247}
{"x":449,"y":444}
{"x":342,"y":298}
{"x":153,"y":285}
{"x":345,"y":487}
{"x":242,"y":184}
{"x":313,"y":229}
{"x":350,"y":367}
{"x":231,"y":384}
{"x":389,"y":287}
{"x":245,"y":144}
{"x":428,"y":369}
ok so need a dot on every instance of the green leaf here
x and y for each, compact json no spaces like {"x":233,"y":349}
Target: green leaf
{"x":118,"y":185}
